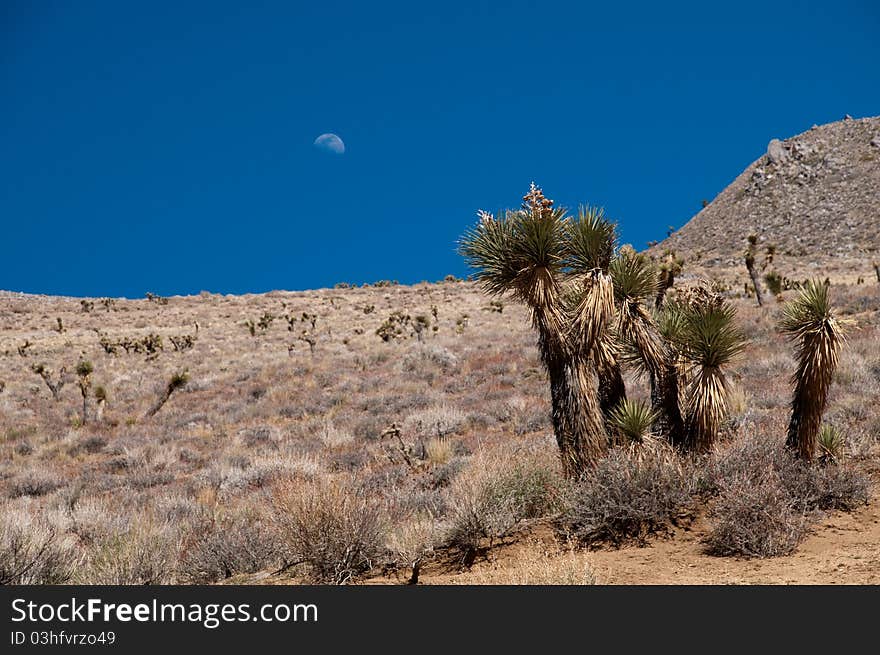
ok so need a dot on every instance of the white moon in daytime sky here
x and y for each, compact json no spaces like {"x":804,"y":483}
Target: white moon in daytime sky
{"x":330,"y":143}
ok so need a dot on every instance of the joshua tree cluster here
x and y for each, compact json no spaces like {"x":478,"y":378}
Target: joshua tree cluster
{"x":594,"y":307}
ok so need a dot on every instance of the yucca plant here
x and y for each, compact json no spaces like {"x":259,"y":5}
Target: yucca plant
{"x":831,"y":445}
{"x":534,"y":254}
{"x":178,"y":381}
{"x":591,"y":245}
{"x":749,"y":256}
{"x":635,"y":284}
{"x":671,"y":267}
{"x":709,"y":339}
{"x":84,"y":370}
{"x":634,"y":419}
{"x":810,"y":324}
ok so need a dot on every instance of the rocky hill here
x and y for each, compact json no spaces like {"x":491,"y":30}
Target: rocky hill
{"x":815,"y":196}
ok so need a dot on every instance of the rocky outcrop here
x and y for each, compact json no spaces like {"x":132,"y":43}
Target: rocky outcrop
{"x":815,"y":196}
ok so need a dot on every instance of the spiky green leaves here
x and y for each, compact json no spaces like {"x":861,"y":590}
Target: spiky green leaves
{"x":84,"y":368}
{"x":831,"y":443}
{"x":709,"y":336}
{"x":708,"y":339}
{"x":178,"y":381}
{"x":591,"y":241}
{"x":810,"y":314}
{"x":633,"y":419}
{"x":521,"y":252}
{"x":635,"y":278}
{"x":809,"y":322}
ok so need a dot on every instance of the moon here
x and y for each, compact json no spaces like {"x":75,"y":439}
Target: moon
{"x":330,"y":143}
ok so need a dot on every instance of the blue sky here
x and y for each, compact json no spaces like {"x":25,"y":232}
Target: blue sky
{"x":168,"y":146}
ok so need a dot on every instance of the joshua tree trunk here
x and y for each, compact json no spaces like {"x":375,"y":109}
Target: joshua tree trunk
{"x":808,"y":404}
{"x":166,"y":394}
{"x":665,"y":401}
{"x":708,"y":405}
{"x":85,"y":395}
{"x":577,"y":418}
{"x":612,"y":390}
{"x":750,"y":265}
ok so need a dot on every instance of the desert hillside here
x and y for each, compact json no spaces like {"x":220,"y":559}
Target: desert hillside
{"x":815,"y":196}
{"x":428,"y":401}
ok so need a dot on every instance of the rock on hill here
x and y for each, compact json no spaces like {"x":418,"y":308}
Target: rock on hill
{"x":815,"y":196}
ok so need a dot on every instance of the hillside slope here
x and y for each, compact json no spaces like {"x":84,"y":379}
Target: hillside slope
{"x":815,"y":196}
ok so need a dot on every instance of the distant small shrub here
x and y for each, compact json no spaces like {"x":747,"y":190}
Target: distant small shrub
{"x":774,"y":283}
{"x":34,"y":484}
{"x":411,"y":541}
{"x":395,"y":327}
{"x":439,"y":421}
{"x":415,"y":360}
{"x":439,"y":450}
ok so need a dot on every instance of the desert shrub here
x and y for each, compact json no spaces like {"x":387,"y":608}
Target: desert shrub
{"x":329,"y":527}
{"x":627,"y":499}
{"x":32,"y":551}
{"x":142,"y":553}
{"x":494,"y":496}
{"x":755,"y":517}
{"x":842,"y":487}
{"x":415,"y":360}
{"x":411,"y":541}
{"x":439,"y":451}
{"x":34,"y":483}
{"x":439,"y":421}
{"x":765,"y":499}
{"x":261,"y":435}
{"x":238,"y":543}
{"x":810,"y":488}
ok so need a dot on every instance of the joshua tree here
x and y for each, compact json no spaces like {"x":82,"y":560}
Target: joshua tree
{"x":546,"y":261}
{"x":670,"y":268}
{"x":54,"y":387}
{"x":419,"y":324}
{"x":635,"y":283}
{"x":84,"y":371}
{"x":593,"y":240}
{"x":750,"y":267}
{"x":810,"y":323}
{"x":709,"y":340}
{"x":177,"y":381}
